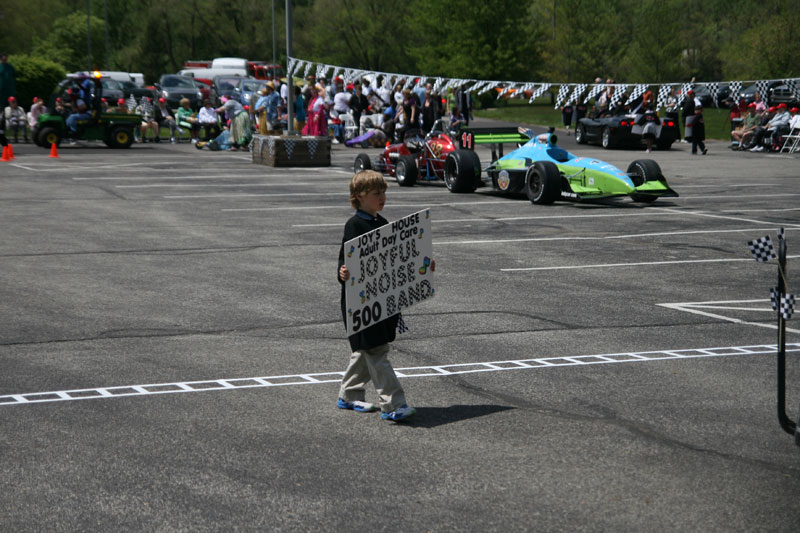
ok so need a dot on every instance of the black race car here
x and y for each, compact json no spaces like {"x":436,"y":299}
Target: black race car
{"x":626,"y":131}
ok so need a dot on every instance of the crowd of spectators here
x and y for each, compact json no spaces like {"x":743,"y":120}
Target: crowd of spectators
{"x":759,"y":128}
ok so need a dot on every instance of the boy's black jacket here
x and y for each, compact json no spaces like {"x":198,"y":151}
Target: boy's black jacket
{"x":384,"y":331}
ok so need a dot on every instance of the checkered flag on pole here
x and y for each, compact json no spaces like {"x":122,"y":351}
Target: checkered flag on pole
{"x":713,"y":88}
{"x":563,"y":91}
{"x":577,"y":92}
{"x":663,"y":94}
{"x":780,"y":234}
{"x":787,"y":306}
{"x":596,"y":89}
{"x":686,"y":87}
{"x":762,"y":249}
{"x":539,"y":92}
{"x":763,"y":89}
{"x":638,"y":91}
{"x":773,"y":298}
{"x":618,"y":92}
{"x":736,"y":87}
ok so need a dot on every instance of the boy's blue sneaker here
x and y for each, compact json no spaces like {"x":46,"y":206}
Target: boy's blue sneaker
{"x":401,"y":413}
{"x":361,"y":407}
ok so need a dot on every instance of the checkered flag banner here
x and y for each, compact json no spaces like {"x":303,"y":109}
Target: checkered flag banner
{"x":525,"y":88}
{"x":663,"y":94}
{"x":507,"y":88}
{"x":787,"y":306}
{"x":596,"y":89}
{"x":736,"y":87}
{"x":577,"y":92}
{"x":488,"y":87}
{"x":762,"y":249}
{"x":307,"y":69}
{"x":539,"y":92}
{"x":763,"y":89}
{"x":290,"y":66}
{"x":437,"y":84}
{"x":638,"y":91}
{"x":401,"y":325}
{"x":686,"y":87}
{"x":130,"y":103}
{"x":563,"y":91}
{"x":322,"y":70}
{"x":617,"y":93}
{"x":713,"y":88}
{"x":792,"y":85}
{"x":773,"y":298}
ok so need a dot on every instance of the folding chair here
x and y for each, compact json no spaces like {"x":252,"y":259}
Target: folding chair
{"x":349,"y":125}
{"x":794,"y":138}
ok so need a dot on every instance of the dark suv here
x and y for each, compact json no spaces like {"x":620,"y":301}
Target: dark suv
{"x":174,"y":88}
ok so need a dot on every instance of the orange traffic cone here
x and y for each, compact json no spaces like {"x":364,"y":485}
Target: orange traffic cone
{"x":10,"y":152}
{"x":54,"y":150}
{"x":5,"y":153}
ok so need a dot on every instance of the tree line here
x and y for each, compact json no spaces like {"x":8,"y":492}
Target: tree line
{"x":649,"y":41}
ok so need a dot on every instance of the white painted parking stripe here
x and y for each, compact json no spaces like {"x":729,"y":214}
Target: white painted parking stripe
{"x":420,"y":192}
{"x":644,"y":263}
{"x":207,"y":185}
{"x":719,"y":185}
{"x":605,"y":237}
{"x":725,"y":217}
{"x":718,"y":196}
{"x":697,"y":308}
{"x":410,"y":372}
{"x":347,"y":207}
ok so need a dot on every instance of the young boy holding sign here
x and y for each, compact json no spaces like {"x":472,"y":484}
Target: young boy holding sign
{"x":370,"y":346}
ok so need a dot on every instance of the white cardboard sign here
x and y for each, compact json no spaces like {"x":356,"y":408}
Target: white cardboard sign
{"x":389,"y":270}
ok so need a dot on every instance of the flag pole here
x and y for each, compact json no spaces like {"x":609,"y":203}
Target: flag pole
{"x":786,"y":423}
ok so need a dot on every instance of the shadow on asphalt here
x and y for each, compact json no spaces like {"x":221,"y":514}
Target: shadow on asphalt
{"x":431,"y":417}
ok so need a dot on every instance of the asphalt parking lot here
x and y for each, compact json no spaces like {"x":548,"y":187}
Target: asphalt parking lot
{"x":171,"y":341}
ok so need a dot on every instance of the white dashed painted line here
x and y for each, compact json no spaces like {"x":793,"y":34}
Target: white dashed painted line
{"x":644,"y":263}
{"x":410,"y":372}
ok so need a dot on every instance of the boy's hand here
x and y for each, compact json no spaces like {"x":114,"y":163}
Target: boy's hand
{"x":344,"y":274}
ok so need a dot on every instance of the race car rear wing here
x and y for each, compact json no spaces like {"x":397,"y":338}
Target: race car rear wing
{"x":468,"y":138}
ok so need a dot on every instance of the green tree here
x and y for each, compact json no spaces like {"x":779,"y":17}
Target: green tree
{"x":467,"y":39}
{"x":67,"y":44}
{"x":36,"y":76}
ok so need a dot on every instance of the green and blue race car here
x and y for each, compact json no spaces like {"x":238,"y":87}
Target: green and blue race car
{"x":545,"y":172}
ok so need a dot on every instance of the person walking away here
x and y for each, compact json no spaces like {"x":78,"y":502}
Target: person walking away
{"x":649,"y":121}
{"x":698,"y":131}
{"x":370,"y":346}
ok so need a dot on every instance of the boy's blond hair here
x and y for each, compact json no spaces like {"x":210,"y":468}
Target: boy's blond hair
{"x":364,"y":182}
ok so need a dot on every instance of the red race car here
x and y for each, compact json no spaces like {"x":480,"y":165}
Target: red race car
{"x":414,"y":158}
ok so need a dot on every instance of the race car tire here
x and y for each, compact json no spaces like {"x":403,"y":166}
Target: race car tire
{"x":406,"y":171}
{"x":543,"y":183}
{"x":606,"y":140}
{"x":580,"y":134}
{"x":362,"y":162}
{"x":49,"y":137}
{"x":120,"y":137}
{"x":641,"y":171}
{"x":462,"y":171}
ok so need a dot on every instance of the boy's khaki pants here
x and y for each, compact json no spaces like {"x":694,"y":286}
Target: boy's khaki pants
{"x":372,"y":364}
